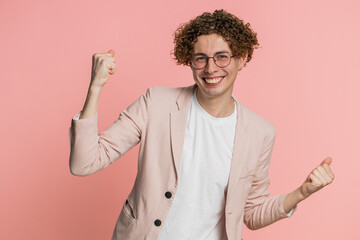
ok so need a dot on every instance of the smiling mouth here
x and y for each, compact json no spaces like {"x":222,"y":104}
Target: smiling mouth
{"x":213,"y":81}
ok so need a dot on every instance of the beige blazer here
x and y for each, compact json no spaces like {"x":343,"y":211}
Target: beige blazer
{"x":157,"y":120}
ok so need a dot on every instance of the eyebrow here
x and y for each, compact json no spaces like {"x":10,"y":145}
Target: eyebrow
{"x":200,"y":53}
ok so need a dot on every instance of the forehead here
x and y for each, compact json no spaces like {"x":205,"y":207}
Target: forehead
{"x":210,"y":44}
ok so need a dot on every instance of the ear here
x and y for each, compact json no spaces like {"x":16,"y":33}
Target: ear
{"x":242,"y":62}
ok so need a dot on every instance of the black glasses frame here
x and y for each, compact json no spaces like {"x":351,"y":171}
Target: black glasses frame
{"x":213,"y":57}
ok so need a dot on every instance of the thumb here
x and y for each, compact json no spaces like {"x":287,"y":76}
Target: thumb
{"x":112,"y":52}
{"x":327,"y":160}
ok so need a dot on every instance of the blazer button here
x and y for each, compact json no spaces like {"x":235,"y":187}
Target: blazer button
{"x":168,"y":194}
{"x":157,"y":222}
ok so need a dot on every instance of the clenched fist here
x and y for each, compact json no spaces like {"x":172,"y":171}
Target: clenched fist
{"x":103,"y":64}
{"x":318,"y":178}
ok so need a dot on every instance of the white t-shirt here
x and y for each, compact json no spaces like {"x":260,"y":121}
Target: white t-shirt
{"x":197,"y":211}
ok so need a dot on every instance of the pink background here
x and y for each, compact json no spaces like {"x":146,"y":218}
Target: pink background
{"x":304,"y":79}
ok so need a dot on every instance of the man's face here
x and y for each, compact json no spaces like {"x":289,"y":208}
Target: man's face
{"x":214,"y":82}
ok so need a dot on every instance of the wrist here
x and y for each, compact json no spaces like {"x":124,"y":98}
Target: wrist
{"x":95,"y":89}
{"x":292,"y":199}
{"x":300,"y":195}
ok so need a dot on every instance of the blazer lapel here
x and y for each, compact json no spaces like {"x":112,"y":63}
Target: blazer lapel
{"x":178,"y":122}
{"x":241,"y":148}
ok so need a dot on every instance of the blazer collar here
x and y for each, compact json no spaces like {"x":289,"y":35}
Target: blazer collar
{"x":184,"y":98}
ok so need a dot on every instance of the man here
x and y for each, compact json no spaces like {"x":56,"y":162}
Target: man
{"x":203,"y":157}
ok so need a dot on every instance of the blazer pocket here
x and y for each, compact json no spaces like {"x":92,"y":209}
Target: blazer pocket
{"x":129,"y":210}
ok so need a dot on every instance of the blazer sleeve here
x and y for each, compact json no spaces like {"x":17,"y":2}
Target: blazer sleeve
{"x":261,"y":209}
{"x":91,"y":152}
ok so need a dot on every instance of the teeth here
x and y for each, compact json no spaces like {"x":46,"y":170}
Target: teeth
{"x":213,"y":80}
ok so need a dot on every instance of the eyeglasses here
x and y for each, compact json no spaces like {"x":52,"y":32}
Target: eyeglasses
{"x":200,"y":61}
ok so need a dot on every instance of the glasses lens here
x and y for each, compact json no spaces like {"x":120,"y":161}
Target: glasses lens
{"x":222,"y":59}
{"x":199,"y":61}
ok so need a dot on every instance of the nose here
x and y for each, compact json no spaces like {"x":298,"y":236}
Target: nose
{"x":211,"y":67}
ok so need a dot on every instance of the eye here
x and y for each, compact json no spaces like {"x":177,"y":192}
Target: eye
{"x":200,"y":58}
{"x":222,"y":56}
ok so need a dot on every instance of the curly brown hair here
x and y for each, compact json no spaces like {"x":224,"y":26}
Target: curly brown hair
{"x":240,"y":37}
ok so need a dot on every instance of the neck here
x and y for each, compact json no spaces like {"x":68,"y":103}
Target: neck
{"x":219,"y":107}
